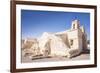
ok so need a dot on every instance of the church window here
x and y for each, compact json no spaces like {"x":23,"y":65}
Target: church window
{"x":71,"y":42}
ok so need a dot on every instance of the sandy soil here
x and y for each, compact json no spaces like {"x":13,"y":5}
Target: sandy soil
{"x":79,"y":57}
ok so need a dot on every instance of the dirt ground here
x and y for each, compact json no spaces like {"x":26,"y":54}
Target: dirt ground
{"x":79,"y":57}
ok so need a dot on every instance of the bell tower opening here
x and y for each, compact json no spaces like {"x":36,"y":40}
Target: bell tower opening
{"x":75,"y":24}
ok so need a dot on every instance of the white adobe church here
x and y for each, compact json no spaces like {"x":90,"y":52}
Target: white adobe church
{"x":68,"y":43}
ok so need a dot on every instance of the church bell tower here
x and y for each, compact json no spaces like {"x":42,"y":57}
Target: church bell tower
{"x":75,"y":24}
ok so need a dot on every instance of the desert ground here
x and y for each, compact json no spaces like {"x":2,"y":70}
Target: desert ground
{"x":83,"y":56}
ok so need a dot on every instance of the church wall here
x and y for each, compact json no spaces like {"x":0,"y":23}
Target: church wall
{"x":84,"y":42}
{"x":80,"y":44}
{"x":58,"y":47}
{"x":73,"y":36}
{"x":76,"y":36}
{"x":80,"y":39}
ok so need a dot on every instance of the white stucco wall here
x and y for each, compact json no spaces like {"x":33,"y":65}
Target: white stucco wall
{"x":73,"y":35}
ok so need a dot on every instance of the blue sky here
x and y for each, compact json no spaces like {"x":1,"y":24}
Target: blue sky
{"x":34,"y":23}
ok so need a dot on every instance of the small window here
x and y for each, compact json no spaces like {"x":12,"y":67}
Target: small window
{"x":71,"y":42}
